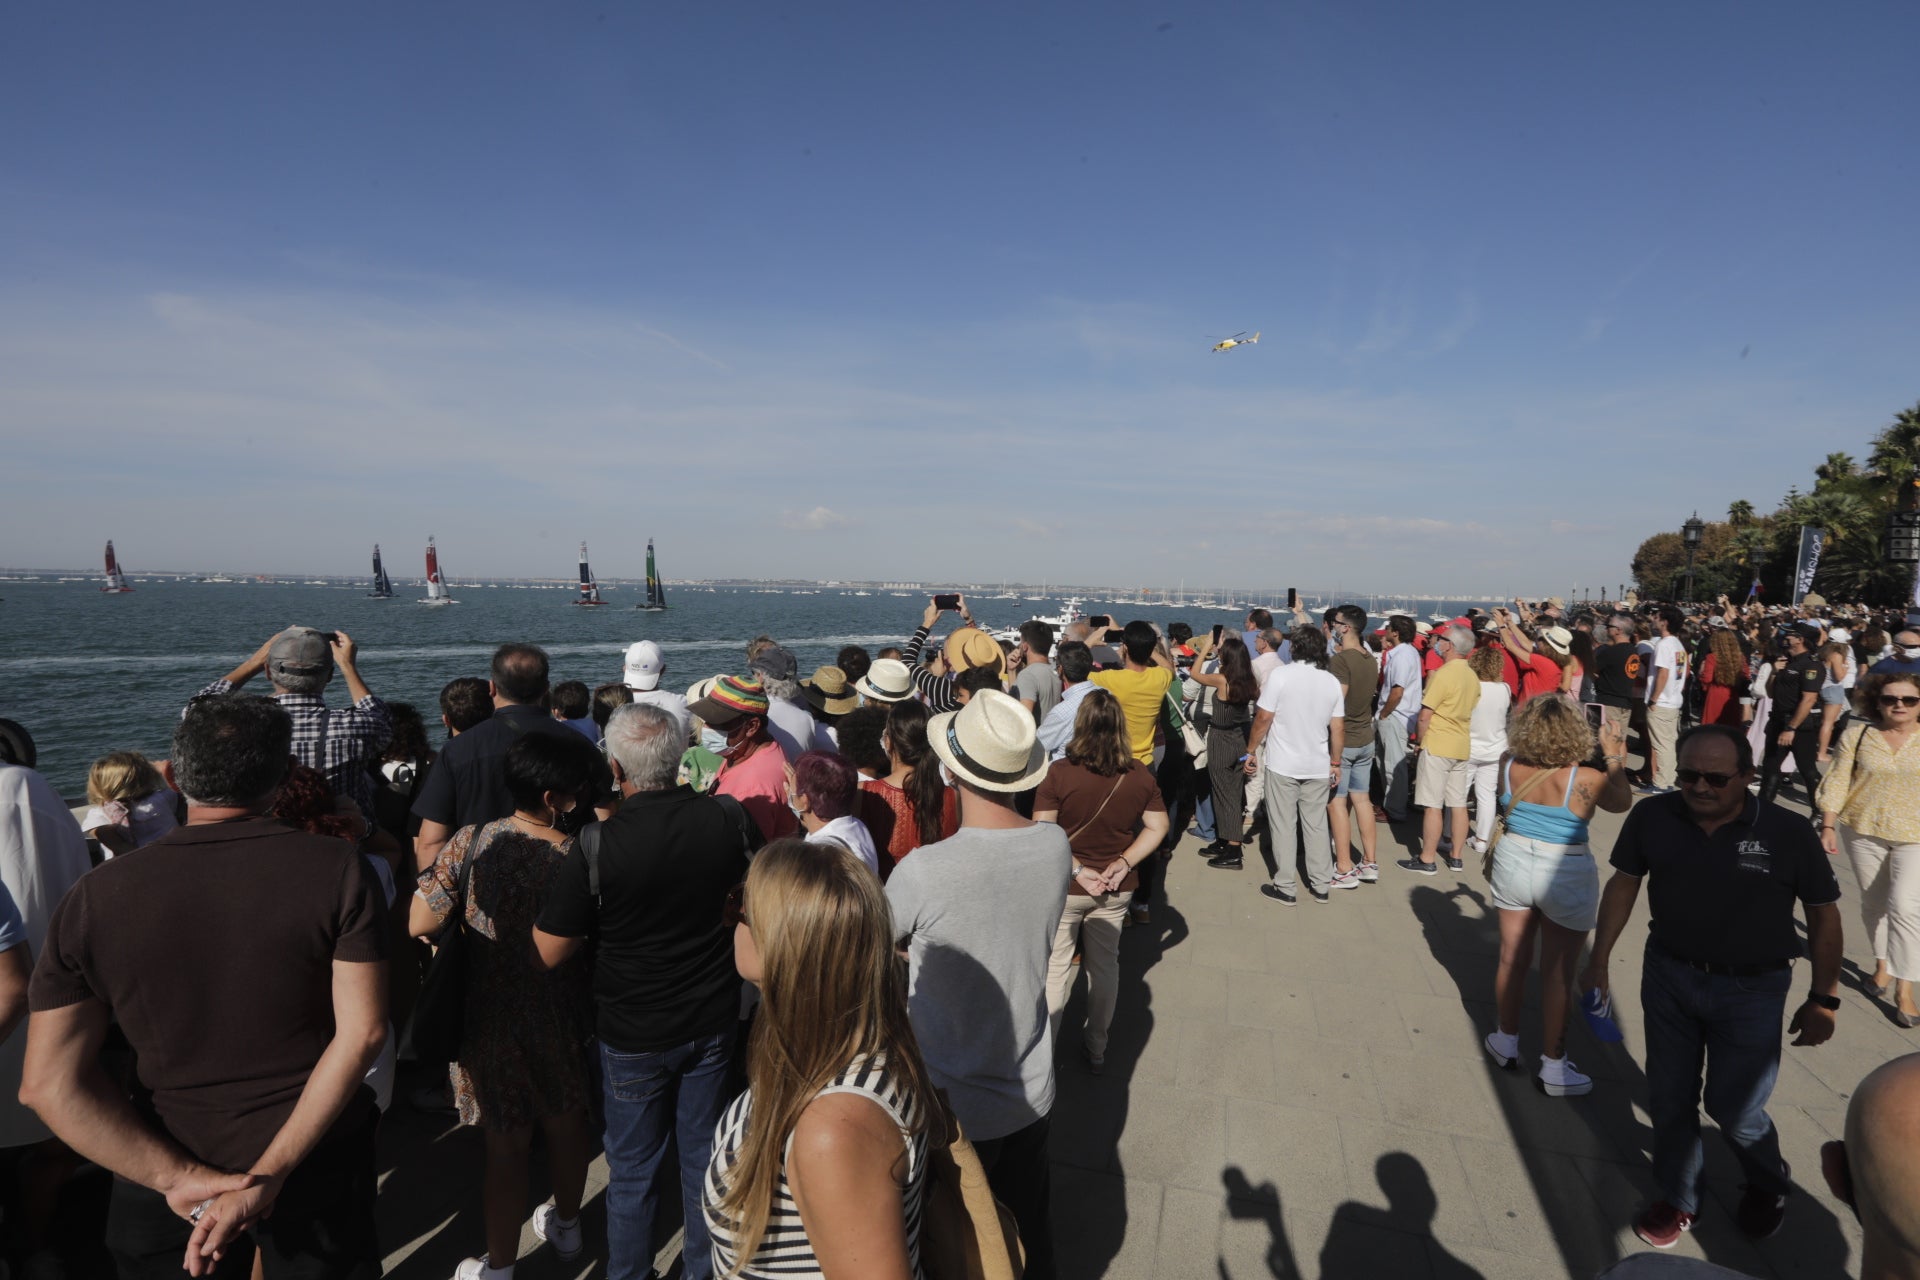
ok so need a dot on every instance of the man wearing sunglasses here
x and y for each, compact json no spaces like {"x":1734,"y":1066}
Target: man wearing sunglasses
{"x":1723,"y":871}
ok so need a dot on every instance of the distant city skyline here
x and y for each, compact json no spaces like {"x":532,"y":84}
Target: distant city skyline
{"x":901,"y":293}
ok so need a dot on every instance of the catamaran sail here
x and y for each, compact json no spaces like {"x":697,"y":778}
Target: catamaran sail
{"x":656,"y":594}
{"x":436,"y":586}
{"x":589,"y":589}
{"x":116,"y":580}
{"x":382,"y":584}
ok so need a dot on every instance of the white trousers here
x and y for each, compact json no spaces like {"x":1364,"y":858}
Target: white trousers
{"x":1889,"y":876}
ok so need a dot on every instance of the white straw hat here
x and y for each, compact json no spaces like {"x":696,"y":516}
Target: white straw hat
{"x":887,"y":680}
{"x":990,"y":743}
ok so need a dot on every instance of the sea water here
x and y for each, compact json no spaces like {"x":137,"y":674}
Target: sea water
{"x":88,"y":673}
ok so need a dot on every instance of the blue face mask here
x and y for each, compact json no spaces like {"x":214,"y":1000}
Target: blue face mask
{"x":713,"y":740}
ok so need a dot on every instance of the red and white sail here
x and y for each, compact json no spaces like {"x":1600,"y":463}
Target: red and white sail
{"x":116,"y":583}
{"x":436,"y":585}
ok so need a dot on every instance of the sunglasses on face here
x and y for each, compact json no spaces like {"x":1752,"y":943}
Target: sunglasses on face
{"x":735,"y":910}
{"x":1899,"y":700}
{"x":1688,"y":777}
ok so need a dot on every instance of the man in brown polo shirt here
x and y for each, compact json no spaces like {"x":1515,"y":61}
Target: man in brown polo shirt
{"x":244,"y":960}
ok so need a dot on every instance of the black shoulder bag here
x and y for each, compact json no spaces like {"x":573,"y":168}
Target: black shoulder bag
{"x":440,"y":1010}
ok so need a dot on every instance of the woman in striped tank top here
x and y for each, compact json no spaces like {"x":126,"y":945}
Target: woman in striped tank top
{"x":818,"y":1168}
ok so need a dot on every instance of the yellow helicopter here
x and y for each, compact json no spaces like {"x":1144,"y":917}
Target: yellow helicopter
{"x":1237,"y":340}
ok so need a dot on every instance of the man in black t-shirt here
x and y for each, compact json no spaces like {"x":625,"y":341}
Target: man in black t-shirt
{"x":1619,"y":675}
{"x":1793,"y":726}
{"x":1723,"y":873}
{"x":468,"y":783}
{"x":664,"y":985}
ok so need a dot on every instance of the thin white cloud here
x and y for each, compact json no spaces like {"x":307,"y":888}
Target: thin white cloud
{"x":813,"y":521}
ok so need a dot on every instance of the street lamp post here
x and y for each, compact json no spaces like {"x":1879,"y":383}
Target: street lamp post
{"x":1690,"y":532}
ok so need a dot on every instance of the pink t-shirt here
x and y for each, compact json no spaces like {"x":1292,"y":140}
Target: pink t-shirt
{"x":759,"y":783}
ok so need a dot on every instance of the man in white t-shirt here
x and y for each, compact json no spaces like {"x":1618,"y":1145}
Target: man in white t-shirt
{"x":644,"y":667}
{"x":1301,"y":725}
{"x":1666,"y":695}
{"x":1400,"y":690}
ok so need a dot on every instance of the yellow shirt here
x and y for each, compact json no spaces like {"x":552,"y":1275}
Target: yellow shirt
{"x":1141,"y":694}
{"x":1451,"y":694}
{"x":1874,"y":790}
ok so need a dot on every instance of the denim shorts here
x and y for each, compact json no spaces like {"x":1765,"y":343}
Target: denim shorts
{"x":1559,"y":881}
{"x":1356,"y":771}
{"x":1834,"y":695}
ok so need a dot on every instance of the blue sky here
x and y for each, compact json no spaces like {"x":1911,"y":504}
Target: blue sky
{"x":904,"y":291}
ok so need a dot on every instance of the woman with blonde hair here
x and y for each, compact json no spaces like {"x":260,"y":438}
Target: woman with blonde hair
{"x":132,"y":804}
{"x":1723,"y":674}
{"x":1870,"y":809}
{"x":1544,"y":881}
{"x":819,"y":1167}
{"x":1115,"y":818}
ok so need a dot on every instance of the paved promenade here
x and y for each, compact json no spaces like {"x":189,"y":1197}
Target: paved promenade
{"x":1301,"y":1092}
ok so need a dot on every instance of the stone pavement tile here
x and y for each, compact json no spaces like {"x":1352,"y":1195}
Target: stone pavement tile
{"x":1418,"y":1174}
{"x":1143,"y":1046}
{"x":1332,"y":1074}
{"x":1442,"y":1024}
{"x":1432,"y":1091}
{"x":1601,"y":1125}
{"x":1174,"y":1137}
{"x":1087,"y":1119}
{"x":1529,"y":1200}
{"x":1349,"y":1011}
{"x":1256,"y":1238}
{"x":1237,"y":948}
{"x":1291,"y":1147}
{"x":1355,"y":1247}
{"x":1233,"y":1061}
{"x":1193,"y":991}
{"x":1622,"y":1190}
{"x":1188,"y":1244}
{"x":1273,"y":1002}
{"x":1104,"y":1225}
{"x":1491,"y":1264}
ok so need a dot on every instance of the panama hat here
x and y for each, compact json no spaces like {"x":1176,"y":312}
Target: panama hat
{"x":990,"y":743}
{"x":1558,"y":639}
{"x":970,"y":647}
{"x":730,"y":698}
{"x":828,"y":691}
{"x":887,"y":680}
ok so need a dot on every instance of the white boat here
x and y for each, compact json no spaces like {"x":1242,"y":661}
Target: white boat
{"x":116,"y":581}
{"x":436,"y":585}
{"x":1070,"y":612}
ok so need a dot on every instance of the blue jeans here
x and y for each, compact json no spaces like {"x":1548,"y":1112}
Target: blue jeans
{"x":1732,"y":1027}
{"x":682,"y":1088}
{"x":1203,"y":818}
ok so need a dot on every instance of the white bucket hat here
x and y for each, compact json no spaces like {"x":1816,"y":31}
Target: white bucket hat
{"x":990,"y":743}
{"x":887,"y":680}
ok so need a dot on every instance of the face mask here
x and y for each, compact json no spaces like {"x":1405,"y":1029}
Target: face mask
{"x":1911,"y":654}
{"x":713,"y":740}
{"x":796,"y":809}
{"x":571,"y":821}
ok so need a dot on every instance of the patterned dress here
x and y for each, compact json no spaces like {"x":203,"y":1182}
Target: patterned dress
{"x":523,"y":1047}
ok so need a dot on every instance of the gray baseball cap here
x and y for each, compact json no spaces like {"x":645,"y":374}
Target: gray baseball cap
{"x":300,"y":653}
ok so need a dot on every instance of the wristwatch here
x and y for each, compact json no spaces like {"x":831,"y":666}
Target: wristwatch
{"x":1831,"y":1003}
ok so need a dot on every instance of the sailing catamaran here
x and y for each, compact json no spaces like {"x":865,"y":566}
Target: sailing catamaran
{"x":436,"y":586}
{"x":656,"y":594}
{"x":589,"y":589}
{"x":116,"y":580}
{"x":382,"y":584}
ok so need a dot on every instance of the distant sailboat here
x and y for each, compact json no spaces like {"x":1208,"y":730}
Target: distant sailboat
{"x":116,"y":580}
{"x":656,"y":594}
{"x":382,"y":584}
{"x":436,"y":585}
{"x":589,"y":589}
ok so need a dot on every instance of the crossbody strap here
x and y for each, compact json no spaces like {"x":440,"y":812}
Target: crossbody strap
{"x":1539,"y":775}
{"x":1103,"y":806}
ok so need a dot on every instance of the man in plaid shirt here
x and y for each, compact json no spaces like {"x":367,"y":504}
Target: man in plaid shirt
{"x":343,"y":745}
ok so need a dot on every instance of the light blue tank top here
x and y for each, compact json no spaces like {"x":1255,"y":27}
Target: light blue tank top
{"x":1552,"y":823}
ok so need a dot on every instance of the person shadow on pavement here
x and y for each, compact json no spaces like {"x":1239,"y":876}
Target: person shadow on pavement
{"x":1362,"y":1239}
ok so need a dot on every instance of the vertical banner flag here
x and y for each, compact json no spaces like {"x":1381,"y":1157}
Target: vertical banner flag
{"x":1811,"y":541}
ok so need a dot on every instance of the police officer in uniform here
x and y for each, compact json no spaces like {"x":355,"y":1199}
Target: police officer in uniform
{"x":1723,"y":871}
{"x":1794,"y":724}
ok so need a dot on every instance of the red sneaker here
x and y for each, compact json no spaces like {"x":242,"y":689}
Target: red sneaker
{"x":1660,"y":1224}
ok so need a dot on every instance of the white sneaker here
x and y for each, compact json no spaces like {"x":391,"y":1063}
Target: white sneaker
{"x":1368,"y":872}
{"x":475,"y":1269}
{"x":563,"y":1236}
{"x":1559,"y":1078}
{"x":1477,"y":844}
{"x":1502,"y":1048}
{"x":1350,"y":880}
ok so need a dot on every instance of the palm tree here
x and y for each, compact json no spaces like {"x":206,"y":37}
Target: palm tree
{"x":1837,"y":468}
{"x":1740,"y":513}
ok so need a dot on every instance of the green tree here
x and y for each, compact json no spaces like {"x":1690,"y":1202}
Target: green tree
{"x":1837,"y":469}
{"x":1740,"y":513}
